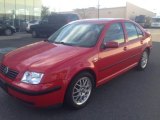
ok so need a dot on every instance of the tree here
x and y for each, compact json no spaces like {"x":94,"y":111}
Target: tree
{"x":45,"y":11}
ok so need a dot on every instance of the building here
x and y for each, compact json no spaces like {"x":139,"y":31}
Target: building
{"x":129,"y":11}
{"x":20,"y":9}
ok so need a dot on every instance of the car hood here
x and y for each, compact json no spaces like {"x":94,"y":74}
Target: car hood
{"x":41,"y":55}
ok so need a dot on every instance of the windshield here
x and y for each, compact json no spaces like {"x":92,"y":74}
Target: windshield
{"x":155,"y":19}
{"x":78,"y":34}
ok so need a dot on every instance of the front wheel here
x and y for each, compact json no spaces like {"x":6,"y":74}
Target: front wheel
{"x":143,"y":61}
{"x":8,"y":32}
{"x":79,"y":91}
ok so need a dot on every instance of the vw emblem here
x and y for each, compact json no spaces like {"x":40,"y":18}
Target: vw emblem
{"x":5,"y":70}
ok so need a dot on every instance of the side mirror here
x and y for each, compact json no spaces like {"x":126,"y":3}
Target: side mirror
{"x":111,"y":44}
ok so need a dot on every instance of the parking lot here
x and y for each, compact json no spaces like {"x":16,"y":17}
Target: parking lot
{"x":132,"y":96}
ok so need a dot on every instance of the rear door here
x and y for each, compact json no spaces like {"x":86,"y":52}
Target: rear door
{"x":134,"y":45}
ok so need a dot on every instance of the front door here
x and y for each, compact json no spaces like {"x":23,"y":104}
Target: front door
{"x":112,"y":60}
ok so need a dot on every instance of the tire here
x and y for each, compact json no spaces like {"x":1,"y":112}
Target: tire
{"x":143,"y":61}
{"x":79,"y":91}
{"x":8,"y":32}
{"x":34,"y":34}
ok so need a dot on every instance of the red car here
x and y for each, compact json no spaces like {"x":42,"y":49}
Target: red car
{"x":77,"y":58}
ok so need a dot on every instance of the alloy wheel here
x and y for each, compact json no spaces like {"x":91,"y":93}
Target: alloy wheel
{"x":144,"y":60}
{"x":82,"y":90}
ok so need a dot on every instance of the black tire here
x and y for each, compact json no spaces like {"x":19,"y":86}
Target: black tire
{"x":34,"y":34}
{"x":70,"y":100}
{"x":8,"y":32}
{"x":143,"y":62}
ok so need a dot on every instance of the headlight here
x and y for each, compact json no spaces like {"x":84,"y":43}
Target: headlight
{"x":32,"y":77}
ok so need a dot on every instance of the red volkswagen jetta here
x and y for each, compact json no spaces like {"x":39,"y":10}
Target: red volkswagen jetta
{"x":73,"y":61}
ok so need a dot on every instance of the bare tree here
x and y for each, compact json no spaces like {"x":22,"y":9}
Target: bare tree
{"x":45,"y":11}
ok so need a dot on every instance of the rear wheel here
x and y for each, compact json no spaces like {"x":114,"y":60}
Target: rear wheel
{"x":143,"y":61}
{"x":80,"y":90}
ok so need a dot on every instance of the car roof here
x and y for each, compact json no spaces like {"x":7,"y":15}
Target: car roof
{"x":102,"y":20}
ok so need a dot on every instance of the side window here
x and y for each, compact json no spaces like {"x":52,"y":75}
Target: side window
{"x":131,"y":31}
{"x":139,"y":31}
{"x":115,"y":33}
{"x":72,"y":17}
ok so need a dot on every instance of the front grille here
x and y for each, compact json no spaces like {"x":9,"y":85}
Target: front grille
{"x":10,"y":73}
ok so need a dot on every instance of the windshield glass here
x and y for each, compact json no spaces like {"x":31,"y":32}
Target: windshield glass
{"x":78,"y":34}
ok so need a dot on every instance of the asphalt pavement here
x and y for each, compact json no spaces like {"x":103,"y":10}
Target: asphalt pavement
{"x":134,"y":95}
{"x":18,"y":35}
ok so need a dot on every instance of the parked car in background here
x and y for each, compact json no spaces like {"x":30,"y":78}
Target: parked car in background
{"x":52,"y":23}
{"x":143,"y":20}
{"x":6,"y":29}
{"x":155,"y":22}
{"x":77,"y":58}
{"x":19,"y":24}
{"x":30,"y":23}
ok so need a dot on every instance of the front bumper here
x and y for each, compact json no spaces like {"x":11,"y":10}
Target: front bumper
{"x":38,"y":98}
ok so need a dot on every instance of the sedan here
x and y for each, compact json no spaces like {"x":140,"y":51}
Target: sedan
{"x":7,"y":29}
{"x":76,"y":59}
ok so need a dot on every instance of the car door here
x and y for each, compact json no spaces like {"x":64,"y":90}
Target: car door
{"x":42,"y":27}
{"x":134,"y":43}
{"x":112,"y":60}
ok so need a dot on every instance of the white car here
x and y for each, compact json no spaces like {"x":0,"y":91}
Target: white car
{"x":33,"y":22}
{"x":155,"y":22}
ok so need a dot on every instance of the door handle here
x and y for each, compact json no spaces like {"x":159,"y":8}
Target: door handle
{"x":125,"y":48}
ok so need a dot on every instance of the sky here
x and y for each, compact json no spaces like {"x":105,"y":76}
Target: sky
{"x":69,"y":5}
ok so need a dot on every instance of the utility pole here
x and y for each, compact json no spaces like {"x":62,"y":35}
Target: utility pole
{"x":33,"y":10}
{"x":98,"y":9}
{"x":15,"y":8}
{"x":25,"y":9}
{"x":4,"y":9}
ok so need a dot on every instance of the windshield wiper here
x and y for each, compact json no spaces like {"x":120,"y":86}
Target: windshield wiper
{"x":64,"y":43}
{"x":46,"y":40}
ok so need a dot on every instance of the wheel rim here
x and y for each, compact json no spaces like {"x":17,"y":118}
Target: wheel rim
{"x":82,"y":90}
{"x":144,"y":60}
{"x":8,"y":32}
